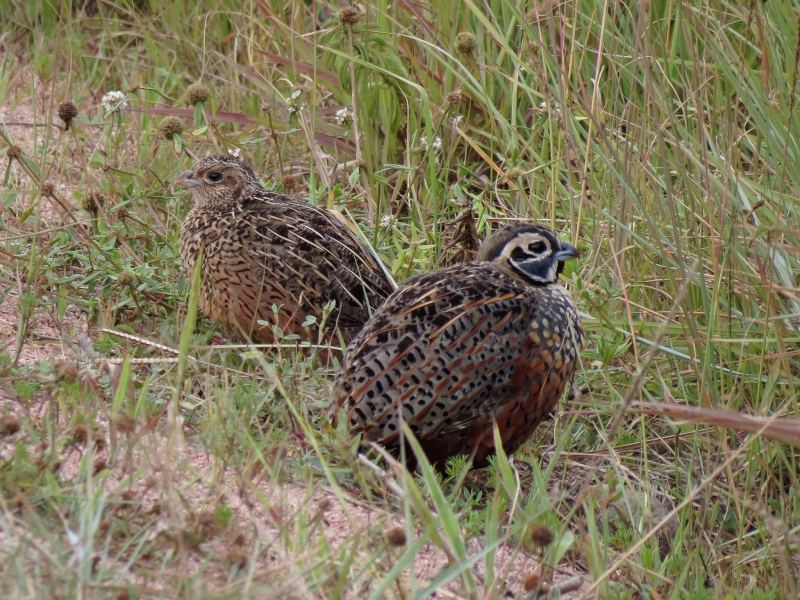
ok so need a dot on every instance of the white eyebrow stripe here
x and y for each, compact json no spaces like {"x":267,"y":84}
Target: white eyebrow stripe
{"x":522,"y":240}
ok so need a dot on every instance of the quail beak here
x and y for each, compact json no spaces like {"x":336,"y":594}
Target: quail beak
{"x":186,"y":179}
{"x":567,"y":252}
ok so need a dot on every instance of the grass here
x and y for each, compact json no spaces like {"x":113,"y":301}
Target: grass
{"x":661,"y":138}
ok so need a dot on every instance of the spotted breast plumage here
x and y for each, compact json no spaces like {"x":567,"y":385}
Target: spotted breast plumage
{"x":262,"y":249}
{"x":455,"y":351}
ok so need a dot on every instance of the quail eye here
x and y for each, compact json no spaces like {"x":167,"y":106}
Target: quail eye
{"x":537,"y":247}
{"x":214,"y":177}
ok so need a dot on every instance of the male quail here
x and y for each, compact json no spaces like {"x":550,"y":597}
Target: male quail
{"x":263,"y":248}
{"x":455,"y":351}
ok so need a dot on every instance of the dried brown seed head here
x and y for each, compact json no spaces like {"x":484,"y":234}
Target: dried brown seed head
{"x":65,"y":370}
{"x":465,"y":43}
{"x":541,"y":536}
{"x":125,"y":424}
{"x":236,"y":557}
{"x":207,"y":522}
{"x":99,"y":439}
{"x":396,"y":536}
{"x":66,"y":112}
{"x":126,"y":278}
{"x":169,"y":126}
{"x":531,"y":49}
{"x":100,"y":464}
{"x":197,"y":93}
{"x":80,"y":433}
{"x":20,"y":501}
{"x":541,"y":9}
{"x":289,"y":182}
{"x":92,"y":203}
{"x":9,"y":424}
{"x":454,"y":97}
{"x":532,"y":581}
{"x":350,"y":15}
{"x":48,"y":189}
{"x":266,"y":108}
{"x":511,"y":175}
{"x":13,"y":152}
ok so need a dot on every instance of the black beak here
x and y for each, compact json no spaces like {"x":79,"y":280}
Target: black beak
{"x":567,"y":252}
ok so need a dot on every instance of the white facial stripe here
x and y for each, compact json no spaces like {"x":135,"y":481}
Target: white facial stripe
{"x":523,"y":241}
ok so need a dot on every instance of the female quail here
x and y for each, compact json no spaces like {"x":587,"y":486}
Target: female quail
{"x":455,"y":351}
{"x":262,"y":248}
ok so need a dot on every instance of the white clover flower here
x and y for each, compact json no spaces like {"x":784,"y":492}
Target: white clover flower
{"x":235,"y":153}
{"x":344,"y":117}
{"x":544,"y":108}
{"x":113,"y":101}
{"x":295,"y":103}
{"x":295,"y":107}
{"x":387,"y":220}
{"x":437,"y":143}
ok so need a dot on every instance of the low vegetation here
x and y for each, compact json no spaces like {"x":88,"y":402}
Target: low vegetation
{"x":142,"y":455}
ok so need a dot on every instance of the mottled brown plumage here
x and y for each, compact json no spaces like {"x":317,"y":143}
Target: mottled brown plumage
{"x":454,"y":351}
{"x":263,"y":248}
